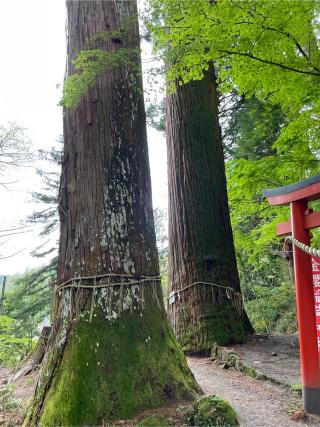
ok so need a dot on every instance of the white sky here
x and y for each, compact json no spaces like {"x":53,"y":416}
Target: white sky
{"x":32,"y":45}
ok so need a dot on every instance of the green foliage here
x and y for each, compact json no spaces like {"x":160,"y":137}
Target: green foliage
{"x":91,"y":64}
{"x":252,"y":129}
{"x":7,"y":402}
{"x":265,"y":48}
{"x":47,"y":217}
{"x":273,"y":309}
{"x":27,"y":304}
{"x":259,"y":45}
{"x":212,"y":411}
{"x":98,"y":59}
{"x":12,"y":346}
{"x":256,"y":163}
{"x":104,"y":51}
{"x":155,"y":113}
{"x":297,"y":388}
{"x":29,"y":297}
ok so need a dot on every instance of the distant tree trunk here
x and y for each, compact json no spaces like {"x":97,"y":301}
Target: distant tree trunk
{"x":111,"y":352}
{"x":201,"y":245}
{"x":3,"y":291}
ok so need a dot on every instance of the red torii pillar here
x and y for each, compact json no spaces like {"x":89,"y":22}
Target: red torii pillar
{"x":302,"y":220}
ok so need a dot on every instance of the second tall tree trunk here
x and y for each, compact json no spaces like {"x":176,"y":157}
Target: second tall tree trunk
{"x":201,"y":245}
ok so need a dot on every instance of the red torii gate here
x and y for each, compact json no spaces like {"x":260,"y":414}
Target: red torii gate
{"x":301,"y":221}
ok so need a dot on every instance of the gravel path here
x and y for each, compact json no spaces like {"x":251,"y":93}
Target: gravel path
{"x":258,"y":403}
{"x":275,"y":356}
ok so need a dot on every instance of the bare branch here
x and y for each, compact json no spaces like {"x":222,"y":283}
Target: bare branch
{"x":12,"y":255}
{"x":14,"y":148}
{"x":12,"y":234}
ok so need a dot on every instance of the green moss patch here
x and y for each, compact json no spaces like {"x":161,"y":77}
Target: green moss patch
{"x":297,"y":388}
{"x":112,"y":369}
{"x":212,"y":411}
{"x":156,"y":420}
{"x":219,"y":324}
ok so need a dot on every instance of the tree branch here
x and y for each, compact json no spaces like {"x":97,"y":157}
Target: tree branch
{"x":266,"y":61}
{"x":296,"y":43}
{"x":12,"y":255}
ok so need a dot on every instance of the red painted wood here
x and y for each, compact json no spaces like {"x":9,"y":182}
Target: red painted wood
{"x":310,"y":370}
{"x":308,"y":193}
{"x":283,"y":228}
{"x":311,"y":220}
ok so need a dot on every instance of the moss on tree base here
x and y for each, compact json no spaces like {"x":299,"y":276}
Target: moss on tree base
{"x":112,"y":369}
{"x":218,"y":324}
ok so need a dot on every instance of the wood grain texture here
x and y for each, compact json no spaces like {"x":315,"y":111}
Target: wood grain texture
{"x":109,"y":343}
{"x":200,"y":235}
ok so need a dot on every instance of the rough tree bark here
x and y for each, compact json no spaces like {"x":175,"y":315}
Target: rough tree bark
{"x":111,"y":352}
{"x":201,"y":245}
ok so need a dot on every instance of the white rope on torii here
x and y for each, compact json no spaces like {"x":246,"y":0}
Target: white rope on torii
{"x":305,"y":248}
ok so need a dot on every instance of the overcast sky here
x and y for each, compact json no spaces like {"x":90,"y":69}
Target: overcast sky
{"x":33,"y":51}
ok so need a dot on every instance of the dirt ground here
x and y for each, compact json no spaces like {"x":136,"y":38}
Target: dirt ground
{"x":277,"y":357}
{"x":257,"y":402}
{"x":21,"y":392}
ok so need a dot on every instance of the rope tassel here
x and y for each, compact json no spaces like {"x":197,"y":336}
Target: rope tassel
{"x":92,"y":300}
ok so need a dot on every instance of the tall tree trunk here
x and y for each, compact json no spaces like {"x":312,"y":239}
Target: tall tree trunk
{"x":111,"y":352}
{"x":201,"y":245}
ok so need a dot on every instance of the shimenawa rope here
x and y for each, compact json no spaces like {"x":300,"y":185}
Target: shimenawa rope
{"x":303,"y":246}
{"x":70,"y":283}
{"x":236,"y":297}
{"x":134,"y":281}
